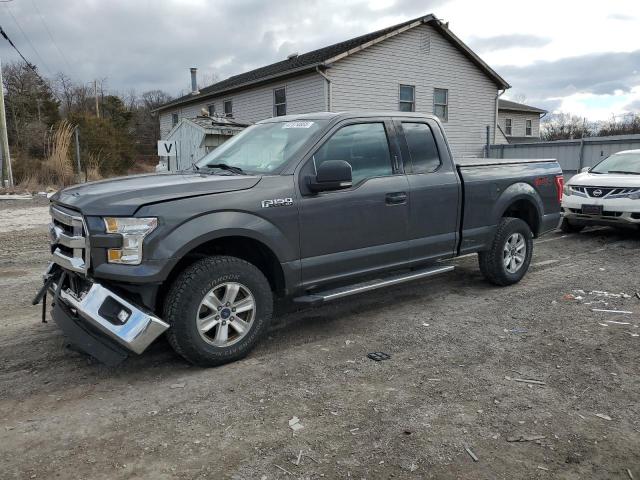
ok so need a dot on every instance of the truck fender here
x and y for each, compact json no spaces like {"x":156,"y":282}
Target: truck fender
{"x":205,"y":228}
{"x":514,"y":193}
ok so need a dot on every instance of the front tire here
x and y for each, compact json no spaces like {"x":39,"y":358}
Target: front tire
{"x":567,"y":227}
{"x":218,"y":309}
{"x":508,"y":259}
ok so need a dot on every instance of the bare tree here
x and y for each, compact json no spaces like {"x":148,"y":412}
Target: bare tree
{"x":564,"y":126}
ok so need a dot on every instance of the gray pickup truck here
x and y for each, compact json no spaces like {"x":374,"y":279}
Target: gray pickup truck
{"x":309,"y":208}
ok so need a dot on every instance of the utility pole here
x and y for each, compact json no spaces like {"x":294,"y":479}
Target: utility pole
{"x":95,"y":94}
{"x":4,"y":139}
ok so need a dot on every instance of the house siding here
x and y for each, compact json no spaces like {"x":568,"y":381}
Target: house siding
{"x":370,"y":80}
{"x":518,"y":122}
{"x":304,"y":94}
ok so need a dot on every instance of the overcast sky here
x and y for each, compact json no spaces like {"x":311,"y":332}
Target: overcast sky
{"x":581,"y":57}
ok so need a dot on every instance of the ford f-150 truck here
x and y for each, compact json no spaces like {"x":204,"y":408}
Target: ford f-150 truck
{"x":310,"y":208}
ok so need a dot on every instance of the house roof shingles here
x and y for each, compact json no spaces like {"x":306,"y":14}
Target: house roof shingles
{"x":316,"y":58}
{"x":518,"y":107}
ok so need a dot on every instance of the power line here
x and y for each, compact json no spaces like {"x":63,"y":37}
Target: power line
{"x":29,"y":64}
{"x":27,"y":39}
{"x":55,"y":44}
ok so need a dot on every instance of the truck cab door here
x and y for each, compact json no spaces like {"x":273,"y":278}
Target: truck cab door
{"x":363,"y":228}
{"x":434,"y":189}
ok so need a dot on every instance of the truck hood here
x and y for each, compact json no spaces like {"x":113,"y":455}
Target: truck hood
{"x":123,"y":196}
{"x":605,"y":180}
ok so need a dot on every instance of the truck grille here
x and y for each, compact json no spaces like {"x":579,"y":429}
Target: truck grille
{"x":69,"y":241}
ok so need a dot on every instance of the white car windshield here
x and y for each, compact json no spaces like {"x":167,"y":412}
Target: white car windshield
{"x":262,"y":148}
{"x":623,"y":163}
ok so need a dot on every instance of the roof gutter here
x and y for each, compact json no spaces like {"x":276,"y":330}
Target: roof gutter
{"x":495,"y":123}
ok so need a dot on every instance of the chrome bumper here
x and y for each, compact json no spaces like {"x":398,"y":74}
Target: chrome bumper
{"x":136,"y":333}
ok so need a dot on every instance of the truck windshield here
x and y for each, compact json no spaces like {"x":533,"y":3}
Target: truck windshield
{"x":262,"y":148}
{"x":625,"y":163}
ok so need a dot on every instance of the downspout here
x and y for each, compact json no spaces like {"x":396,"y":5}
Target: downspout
{"x":325,"y":76}
{"x":495,"y":123}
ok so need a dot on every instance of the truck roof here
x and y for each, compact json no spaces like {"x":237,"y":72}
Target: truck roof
{"x":343,"y":115}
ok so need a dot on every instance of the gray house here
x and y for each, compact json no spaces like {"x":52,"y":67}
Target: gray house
{"x":518,"y":123}
{"x":418,"y":65}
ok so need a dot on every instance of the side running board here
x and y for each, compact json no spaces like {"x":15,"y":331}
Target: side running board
{"x":328,"y":295}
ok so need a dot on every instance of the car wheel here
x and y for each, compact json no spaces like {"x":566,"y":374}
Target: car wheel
{"x":218,"y":309}
{"x":567,"y":227}
{"x":508,"y":259}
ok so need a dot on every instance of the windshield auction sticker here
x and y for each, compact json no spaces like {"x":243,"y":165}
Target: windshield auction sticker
{"x":297,"y":125}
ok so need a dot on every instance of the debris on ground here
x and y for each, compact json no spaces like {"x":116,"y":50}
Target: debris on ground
{"x":516,"y":330}
{"x":297,"y":462}
{"x":638,"y":295}
{"x":543,"y":468}
{"x":470,"y":452}
{"x":616,"y":323}
{"x":525,"y":380}
{"x":378,"y":356}
{"x":16,"y":196}
{"x":630,"y":474}
{"x":295,"y":424}
{"x":177,"y":385}
{"x":525,"y":438}
{"x":283,"y":469}
{"x":603,"y":416}
{"x":621,"y":312}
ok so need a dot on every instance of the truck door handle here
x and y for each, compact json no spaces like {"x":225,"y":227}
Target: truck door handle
{"x":396,"y":198}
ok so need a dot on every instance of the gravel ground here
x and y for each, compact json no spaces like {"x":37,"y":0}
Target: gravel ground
{"x":457,"y":346}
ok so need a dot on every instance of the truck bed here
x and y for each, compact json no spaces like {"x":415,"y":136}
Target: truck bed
{"x":486,"y":162}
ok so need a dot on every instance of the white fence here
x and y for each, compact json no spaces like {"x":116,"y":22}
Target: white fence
{"x":572,"y":155}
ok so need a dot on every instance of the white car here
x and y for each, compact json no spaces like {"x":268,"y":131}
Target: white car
{"x":607,"y":194}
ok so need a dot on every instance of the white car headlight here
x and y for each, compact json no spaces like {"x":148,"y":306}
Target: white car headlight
{"x":566,"y":190}
{"x":133,"y":231}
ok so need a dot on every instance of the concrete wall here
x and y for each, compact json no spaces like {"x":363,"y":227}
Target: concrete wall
{"x":518,"y":122}
{"x":370,"y":80}
{"x":305,"y":94}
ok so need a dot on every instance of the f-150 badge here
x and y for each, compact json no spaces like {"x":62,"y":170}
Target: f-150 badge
{"x":277,"y":202}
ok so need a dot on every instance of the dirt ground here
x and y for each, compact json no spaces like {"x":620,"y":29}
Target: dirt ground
{"x":457,"y":346}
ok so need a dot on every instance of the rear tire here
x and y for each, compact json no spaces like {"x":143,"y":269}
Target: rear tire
{"x":508,"y":259}
{"x":567,"y":227}
{"x":218,"y":309}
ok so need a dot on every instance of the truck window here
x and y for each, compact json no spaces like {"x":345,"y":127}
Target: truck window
{"x":422,"y":147}
{"x":364,"y":146}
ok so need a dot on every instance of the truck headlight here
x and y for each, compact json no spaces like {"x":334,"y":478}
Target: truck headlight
{"x":133,"y":231}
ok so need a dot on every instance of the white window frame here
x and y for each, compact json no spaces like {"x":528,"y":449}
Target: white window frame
{"x":224,"y":107}
{"x":445,"y":104}
{"x":276,"y":105}
{"x":508,"y":126}
{"x":413,"y":97}
{"x":528,"y":128}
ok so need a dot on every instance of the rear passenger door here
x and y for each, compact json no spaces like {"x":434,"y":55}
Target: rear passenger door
{"x":363,"y":228}
{"x":434,"y":189}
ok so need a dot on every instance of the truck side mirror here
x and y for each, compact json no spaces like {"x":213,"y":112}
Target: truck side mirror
{"x":331,"y":175}
{"x":585,"y":169}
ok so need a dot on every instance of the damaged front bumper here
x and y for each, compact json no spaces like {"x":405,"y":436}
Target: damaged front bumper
{"x":98,"y":320}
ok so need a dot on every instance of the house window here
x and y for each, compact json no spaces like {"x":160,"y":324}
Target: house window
{"x":528,"y":128}
{"x":279,"y":102}
{"x":441,"y":103}
{"x":211,"y":109}
{"x":508,"y":127}
{"x":407,"y":98}
{"x":174,"y":119}
{"x":228,"y":108}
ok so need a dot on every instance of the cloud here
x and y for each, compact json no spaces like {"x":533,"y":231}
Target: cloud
{"x":620,"y":16}
{"x":146,"y":45}
{"x":504,"y":42}
{"x":633,"y":106}
{"x":600,"y":73}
